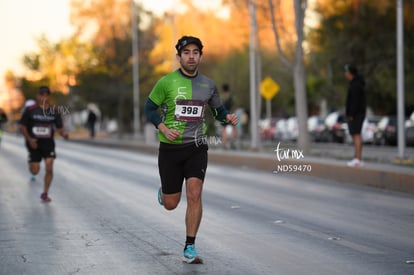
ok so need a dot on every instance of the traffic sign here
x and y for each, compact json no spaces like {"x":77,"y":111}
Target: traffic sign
{"x":269,"y":88}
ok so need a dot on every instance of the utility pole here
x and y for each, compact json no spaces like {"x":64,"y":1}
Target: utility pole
{"x":400,"y":81}
{"x":135,"y":70}
{"x":254,"y":131}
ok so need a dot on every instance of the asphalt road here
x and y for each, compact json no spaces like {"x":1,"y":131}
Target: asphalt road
{"x":104,"y":219}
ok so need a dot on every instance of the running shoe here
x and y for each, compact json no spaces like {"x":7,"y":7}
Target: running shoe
{"x":45,"y":197}
{"x":160,"y":197}
{"x":191,"y":256}
{"x":355,"y":163}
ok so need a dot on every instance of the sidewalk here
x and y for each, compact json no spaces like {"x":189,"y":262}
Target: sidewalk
{"x":322,"y":163}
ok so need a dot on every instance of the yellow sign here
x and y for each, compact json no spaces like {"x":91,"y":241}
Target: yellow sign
{"x":269,"y":88}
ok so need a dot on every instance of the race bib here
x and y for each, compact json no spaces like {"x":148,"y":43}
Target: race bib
{"x":189,"y":110}
{"x":42,"y":131}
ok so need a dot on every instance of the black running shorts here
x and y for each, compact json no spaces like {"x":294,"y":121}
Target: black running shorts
{"x":355,"y":125}
{"x":45,"y":149}
{"x":179,"y":162}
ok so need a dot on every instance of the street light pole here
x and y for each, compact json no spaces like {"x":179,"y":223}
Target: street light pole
{"x":135,"y":70}
{"x":253,"y":81}
{"x":400,"y":81}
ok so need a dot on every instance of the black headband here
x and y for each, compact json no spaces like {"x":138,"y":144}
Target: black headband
{"x":351,"y":69}
{"x":44,"y":89}
{"x":186,"y":40}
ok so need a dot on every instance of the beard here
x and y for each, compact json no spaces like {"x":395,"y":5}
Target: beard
{"x":189,"y":69}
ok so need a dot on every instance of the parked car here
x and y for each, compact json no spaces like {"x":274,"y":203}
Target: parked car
{"x":292,"y":129}
{"x":267,"y":128}
{"x":409,"y":130}
{"x":281,"y":130}
{"x":369,"y":126}
{"x":317,"y":129}
{"x":386,"y":132}
{"x":336,"y":127}
{"x":409,"y":135}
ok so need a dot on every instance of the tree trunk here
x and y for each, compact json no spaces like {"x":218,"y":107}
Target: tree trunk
{"x":300,"y":79}
{"x":301,"y":106}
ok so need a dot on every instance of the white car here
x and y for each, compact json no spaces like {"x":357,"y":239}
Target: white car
{"x":369,"y":127}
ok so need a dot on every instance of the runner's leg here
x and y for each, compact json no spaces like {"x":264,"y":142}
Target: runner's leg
{"x":358,"y":146}
{"x":194,"y":212}
{"x":48,"y":174}
{"x":34,"y":167}
{"x":171,"y":200}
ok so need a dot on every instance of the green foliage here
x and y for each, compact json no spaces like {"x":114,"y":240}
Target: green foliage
{"x":102,"y":67}
{"x":366,"y":38}
{"x":31,"y":61}
{"x":234,"y":70}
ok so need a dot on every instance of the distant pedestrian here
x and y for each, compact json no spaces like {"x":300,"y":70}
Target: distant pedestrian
{"x":38,"y":125}
{"x":90,"y":122}
{"x":355,"y":111}
{"x":3,"y":120}
{"x":182,"y":96}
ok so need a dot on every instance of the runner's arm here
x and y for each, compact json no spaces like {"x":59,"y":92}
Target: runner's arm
{"x":30,"y":140}
{"x":150,"y":110}
{"x":59,"y":127}
{"x":25,"y":132}
{"x":220,"y":114}
{"x":62,"y":133}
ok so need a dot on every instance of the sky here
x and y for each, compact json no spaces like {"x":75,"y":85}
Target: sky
{"x":22,"y":21}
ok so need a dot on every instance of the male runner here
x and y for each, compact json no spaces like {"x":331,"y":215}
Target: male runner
{"x":38,"y":124}
{"x":183,"y":96}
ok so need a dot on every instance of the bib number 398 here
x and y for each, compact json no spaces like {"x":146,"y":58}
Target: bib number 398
{"x":189,"y":110}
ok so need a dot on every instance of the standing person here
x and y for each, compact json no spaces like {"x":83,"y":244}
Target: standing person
{"x":91,"y":120}
{"x":3,"y":119}
{"x":355,"y":111}
{"x":182,"y":96}
{"x":38,"y":124}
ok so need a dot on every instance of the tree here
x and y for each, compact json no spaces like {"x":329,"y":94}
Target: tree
{"x":365,"y":34}
{"x":297,"y":66}
{"x":57,"y":63}
{"x":110,"y":21}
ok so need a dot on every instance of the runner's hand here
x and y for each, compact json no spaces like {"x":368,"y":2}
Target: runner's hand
{"x":171,"y":134}
{"x":32,"y":143}
{"x":232,"y":118}
{"x":65,"y":135}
